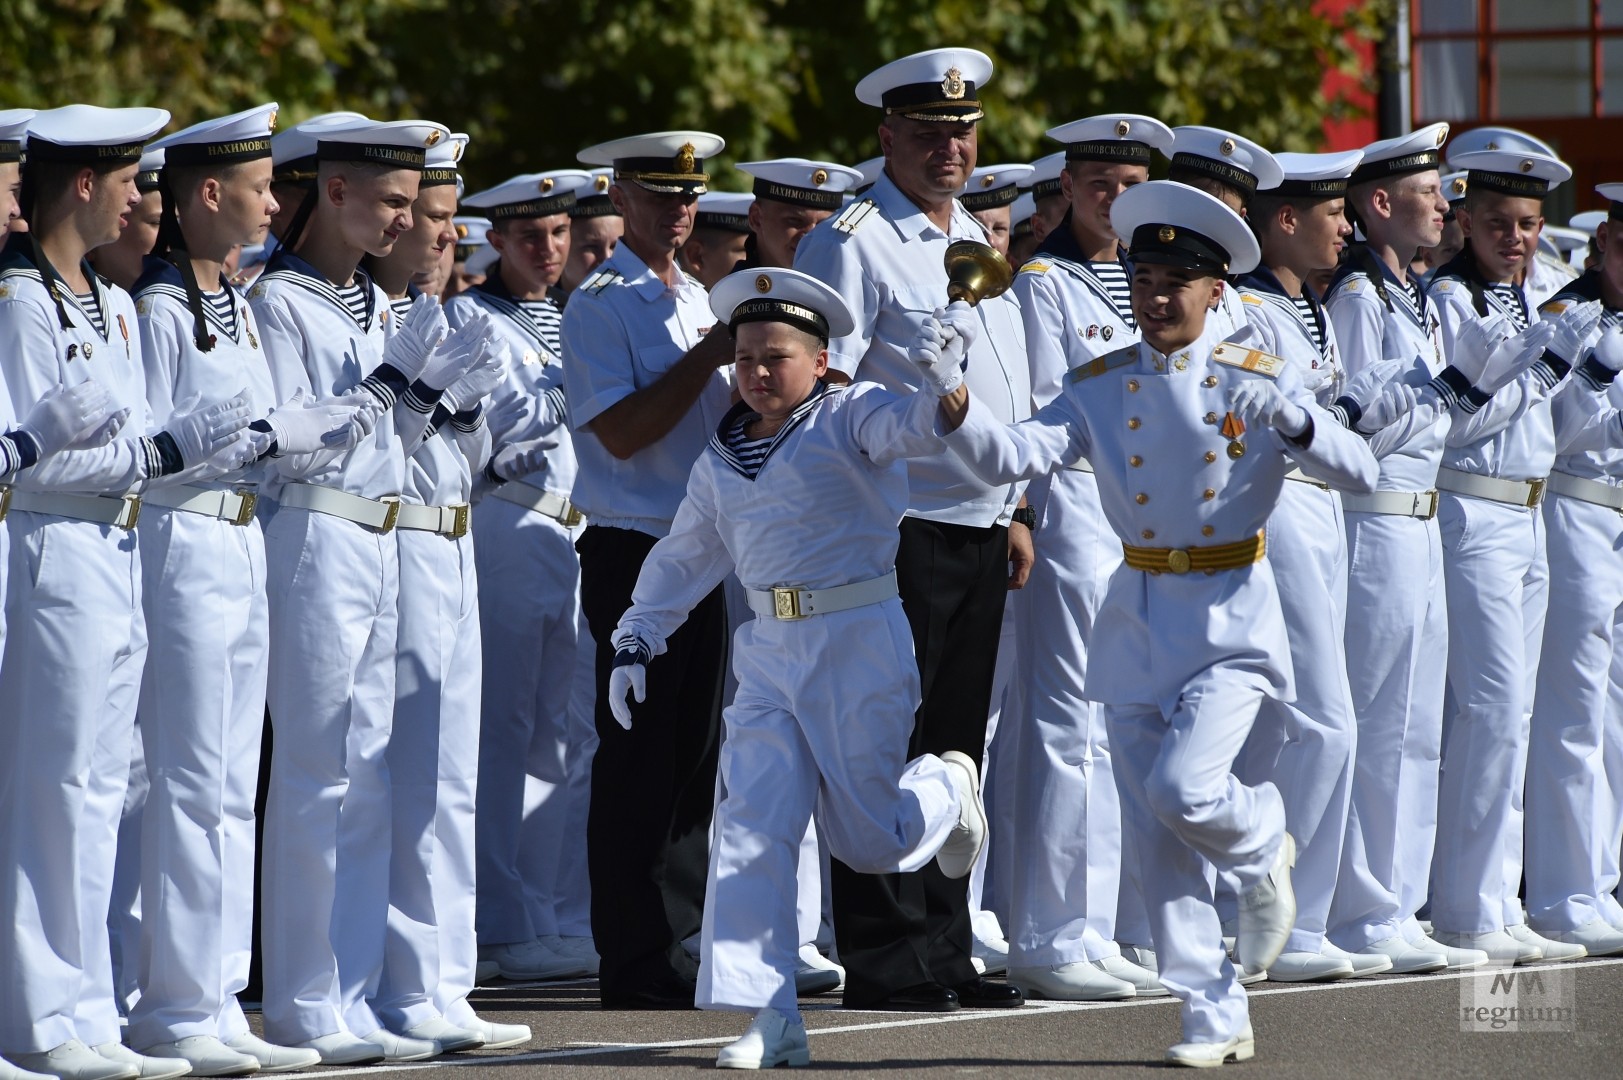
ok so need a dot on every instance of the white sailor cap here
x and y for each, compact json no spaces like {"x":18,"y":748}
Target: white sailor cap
{"x":1455,"y":185}
{"x":1495,"y":138}
{"x":1563,"y":241}
{"x":1316,"y":176}
{"x":1231,"y":158}
{"x":531,"y":195}
{"x":1177,"y":225}
{"x":991,"y":186}
{"x":592,"y":200}
{"x":1587,"y":222}
{"x":13,"y":133}
{"x":225,"y":140}
{"x":401,"y":144}
{"x":1417,"y":151}
{"x":871,"y":170}
{"x":666,"y":162}
{"x":440,"y":162}
{"x":728,"y":210}
{"x":148,"y":172}
{"x":1020,"y":212}
{"x":471,"y":233}
{"x":1612,"y":193}
{"x":1118,"y":138}
{"x":820,"y":185}
{"x":293,"y":152}
{"x":1526,"y":174}
{"x":780,"y":295}
{"x":90,"y":134}
{"x":938,"y":84}
{"x":1043,"y":180}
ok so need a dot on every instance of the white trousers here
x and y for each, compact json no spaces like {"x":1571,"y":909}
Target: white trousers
{"x":1190,"y":819}
{"x":1397,"y":655}
{"x":202,"y":718}
{"x":1573,"y":825}
{"x":1498,"y":586}
{"x":1065,"y":844}
{"x":124,"y":910}
{"x":433,"y":757}
{"x":325,"y":892}
{"x":822,"y":719}
{"x":529,"y":617}
{"x":75,"y":645}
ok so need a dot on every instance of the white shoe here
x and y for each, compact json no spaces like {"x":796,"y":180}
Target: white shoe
{"x":499,"y":1036}
{"x":1295,"y":967}
{"x":1454,"y":959}
{"x":1267,"y":913}
{"x":993,"y":956}
{"x":1247,"y":977}
{"x":1362,"y":963}
{"x":1079,"y":981}
{"x":206,"y":1055}
{"x":773,"y":1039}
{"x":583,"y":948}
{"x":963,"y":845}
{"x":271,"y":1058}
{"x":1598,"y":937}
{"x":1142,"y":980}
{"x":1209,"y":1055}
{"x":533,"y":961}
{"x":400,"y":1048}
{"x":342,"y":1048}
{"x":816,"y":974}
{"x":1554,"y":950}
{"x":1407,"y":959}
{"x":1141,"y":955}
{"x":73,"y":1060}
{"x":450,"y":1038}
{"x":8,"y":1071}
{"x":147,"y":1068}
{"x":1499,"y":946}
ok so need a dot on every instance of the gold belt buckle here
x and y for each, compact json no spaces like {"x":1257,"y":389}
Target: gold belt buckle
{"x":130,"y":514}
{"x":570,"y":517}
{"x":1432,"y":512}
{"x":5,"y":501}
{"x":245,"y":509}
{"x":459,"y":521}
{"x":786,"y":602}
{"x":1178,"y":561}
{"x":391,"y":514}
{"x":1535,"y":492}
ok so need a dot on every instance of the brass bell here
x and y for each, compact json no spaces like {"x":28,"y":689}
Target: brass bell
{"x":976,"y":271}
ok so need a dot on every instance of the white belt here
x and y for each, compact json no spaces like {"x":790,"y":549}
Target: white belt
{"x":545,"y":503}
{"x":237,"y":507}
{"x":449,"y":521}
{"x":376,"y":514}
{"x":1525,"y":493}
{"x":1589,"y":491}
{"x":789,"y":602}
{"x":119,"y":510}
{"x":1302,"y":478}
{"x":1415,"y":504}
{"x":1080,"y":466}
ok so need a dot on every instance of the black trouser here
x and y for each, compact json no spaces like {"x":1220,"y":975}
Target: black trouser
{"x":899,"y":930}
{"x":653,"y":787}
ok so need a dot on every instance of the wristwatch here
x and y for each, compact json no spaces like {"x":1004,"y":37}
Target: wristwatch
{"x":1025,"y":515}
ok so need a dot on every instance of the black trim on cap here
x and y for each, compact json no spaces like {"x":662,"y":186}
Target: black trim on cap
{"x":438,"y":177}
{"x":816,"y":198}
{"x":929,"y":101}
{"x":1218,"y":170}
{"x":10,"y":150}
{"x":990,"y":200}
{"x":709,"y":219}
{"x":1020,"y":229}
{"x":1044,"y":188}
{"x":594,"y":206}
{"x":1175,"y":245}
{"x":1310,"y":189}
{"x":148,"y":181}
{"x":300,"y":170}
{"x":1398,"y":166}
{"x":217,"y":153}
{"x":1115,"y":151}
{"x":400,"y":157}
{"x":122,"y":154}
{"x":1529,"y":187}
{"x":545,"y":206}
{"x":465,"y":250}
{"x":771,"y":309}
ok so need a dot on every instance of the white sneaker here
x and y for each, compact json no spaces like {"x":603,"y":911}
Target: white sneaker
{"x":8,"y":1071}
{"x":583,"y":948}
{"x":73,"y":1060}
{"x":400,"y":1048}
{"x":1554,"y":949}
{"x":1141,"y":955}
{"x":1209,"y":1055}
{"x":1598,"y":937}
{"x":1499,"y":946}
{"x":342,"y":1048}
{"x":1454,"y":958}
{"x":963,"y":845}
{"x":207,"y":1056}
{"x":1362,"y":964}
{"x":816,"y":974}
{"x":993,"y":956}
{"x":1247,"y":977}
{"x":274,"y":1059}
{"x":1267,"y":913}
{"x":147,"y":1068}
{"x":773,"y":1039}
{"x":1407,"y":959}
{"x":499,"y":1036}
{"x":1079,"y":981}
{"x":534,"y":961}
{"x":450,"y":1038}
{"x":1143,"y":981}
{"x":1309,"y":967}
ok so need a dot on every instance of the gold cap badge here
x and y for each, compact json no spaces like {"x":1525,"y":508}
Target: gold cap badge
{"x":685,"y":158}
{"x":1526,"y":166}
{"x":1122,"y":128}
{"x":763,"y":283}
{"x":953,"y":85}
{"x":602,"y":183}
{"x":546,"y":184}
{"x":271,"y":125}
{"x":433,"y":138}
{"x":1226,"y":148}
{"x":461,"y":232}
{"x":456,"y":151}
{"x":1167,"y":234}
{"x":820,"y":177}
{"x":988,"y":180}
{"x":1459,"y":185}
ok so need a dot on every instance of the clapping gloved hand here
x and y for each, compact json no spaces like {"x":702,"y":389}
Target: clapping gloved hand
{"x":73,"y":416}
{"x":939,"y":374}
{"x":630,"y":673}
{"x":458,"y":353}
{"x":1576,"y":330}
{"x":421,"y":331}
{"x":1491,"y":356}
{"x":1259,"y":403}
{"x":479,"y":381}
{"x":201,"y":433}
{"x":1609,"y":349}
{"x":518,"y":460}
{"x":303,"y":426}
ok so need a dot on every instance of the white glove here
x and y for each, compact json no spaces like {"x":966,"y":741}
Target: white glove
{"x":458,"y":353}
{"x":1574,"y":329}
{"x":510,"y":415}
{"x":106,"y":432}
{"x":1368,"y":384}
{"x":1392,"y":404}
{"x":962,"y":328}
{"x":421,"y":330}
{"x":630,"y":672}
{"x":65,"y":416}
{"x":240,"y":449}
{"x":938,"y":375}
{"x":1260,"y":403}
{"x":517,"y":460}
{"x":199,"y":434}
{"x":303,"y":427}
{"x":1515,"y":355}
{"x":1609,"y":349}
{"x":480,"y":380}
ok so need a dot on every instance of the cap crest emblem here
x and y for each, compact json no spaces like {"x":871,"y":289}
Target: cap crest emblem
{"x":1226,"y":148}
{"x":271,"y":121}
{"x":601,"y":183}
{"x":1166,"y":234}
{"x":1122,"y":128}
{"x":1526,"y":166}
{"x":546,"y":185}
{"x":433,"y":138}
{"x":685,"y":158}
{"x":952,"y":87}
{"x":820,"y":177}
{"x":763,"y":283}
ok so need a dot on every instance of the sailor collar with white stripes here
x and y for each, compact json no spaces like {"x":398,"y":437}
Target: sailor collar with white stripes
{"x":729,"y":433}
{"x":286,"y":266}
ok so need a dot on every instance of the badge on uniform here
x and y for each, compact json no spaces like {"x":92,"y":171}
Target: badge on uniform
{"x":1233,"y":429}
{"x":122,"y":328}
{"x":531,"y":357}
{"x":1091,"y":332}
{"x":253,"y":341}
{"x":1106,"y":331}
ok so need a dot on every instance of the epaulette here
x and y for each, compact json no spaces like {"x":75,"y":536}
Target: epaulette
{"x":1247,"y":298}
{"x":1554,"y":307}
{"x":602,"y":279}
{"x":1254,"y":360}
{"x":852,"y":217}
{"x":1443,"y":286}
{"x":1036,"y":266}
{"x":1101,"y":364}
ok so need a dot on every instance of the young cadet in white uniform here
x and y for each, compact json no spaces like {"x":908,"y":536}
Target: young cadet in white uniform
{"x":332,"y":574}
{"x":1540,"y":275}
{"x":991,"y":190}
{"x":1573,"y":807}
{"x":1048,"y":202}
{"x":76,"y":640}
{"x":595,"y":227}
{"x":907,"y":941}
{"x":1202,"y":613}
{"x":1500,"y":450}
{"x":1064,"y":850}
{"x":1307,"y":745}
{"x":535,"y":729}
{"x":829,"y":644}
{"x":644,"y":392}
{"x":203,"y":555}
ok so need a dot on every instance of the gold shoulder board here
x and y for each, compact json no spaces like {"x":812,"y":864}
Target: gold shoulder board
{"x":1247,"y":298}
{"x":852,"y":217}
{"x":1035,"y":266}
{"x":1101,"y":364}
{"x":1249,"y":359}
{"x":600,"y":281}
{"x":1554,"y":307}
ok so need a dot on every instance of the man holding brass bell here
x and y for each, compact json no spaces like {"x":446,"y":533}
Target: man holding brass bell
{"x":905,"y":938}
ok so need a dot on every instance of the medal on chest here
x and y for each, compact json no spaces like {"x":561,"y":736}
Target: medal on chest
{"x":1233,"y":430}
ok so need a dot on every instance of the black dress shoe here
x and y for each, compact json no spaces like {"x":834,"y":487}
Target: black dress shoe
{"x":985,"y":994}
{"x":925,"y":997}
